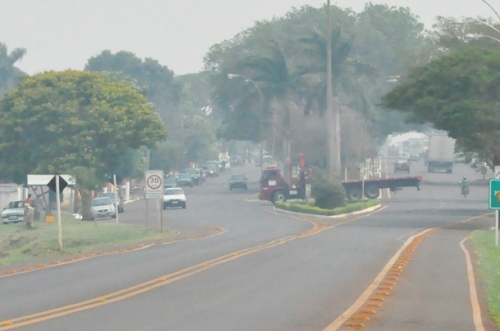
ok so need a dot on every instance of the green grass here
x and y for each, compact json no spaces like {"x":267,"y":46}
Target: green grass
{"x":19,"y":244}
{"x":302,"y":207}
{"x":489,"y":266}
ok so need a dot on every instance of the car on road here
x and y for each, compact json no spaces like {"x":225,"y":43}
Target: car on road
{"x":185,"y":179}
{"x":195,"y":175}
{"x":414,"y":156}
{"x":103,"y":207}
{"x":402,"y":165}
{"x":237,"y":181}
{"x":211,"y":169}
{"x":13,"y":213}
{"x":174,"y":197}
{"x":120,"y":204}
{"x":170,"y":182}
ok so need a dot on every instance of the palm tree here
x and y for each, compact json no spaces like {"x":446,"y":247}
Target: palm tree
{"x":9,"y":74}
{"x":345,"y":75}
{"x":271,"y":70}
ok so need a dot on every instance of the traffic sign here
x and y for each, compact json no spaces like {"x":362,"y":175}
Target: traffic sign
{"x":494,"y":194}
{"x":154,"y":184}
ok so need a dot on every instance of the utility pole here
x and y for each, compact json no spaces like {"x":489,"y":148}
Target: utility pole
{"x":331,"y":125}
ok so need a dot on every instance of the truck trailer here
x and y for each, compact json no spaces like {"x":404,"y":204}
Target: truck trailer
{"x":440,"y":153}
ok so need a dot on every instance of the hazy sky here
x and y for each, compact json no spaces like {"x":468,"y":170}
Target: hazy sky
{"x":61,"y":34}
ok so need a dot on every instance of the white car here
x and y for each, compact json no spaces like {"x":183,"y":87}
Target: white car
{"x":103,"y":207}
{"x":174,"y":197}
{"x":14,"y":212}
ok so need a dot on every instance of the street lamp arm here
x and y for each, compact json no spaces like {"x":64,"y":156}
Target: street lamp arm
{"x":247,"y":79}
{"x":491,"y":7}
{"x":477,"y":36}
{"x":486,"y":24}
{"x":231,"y":76}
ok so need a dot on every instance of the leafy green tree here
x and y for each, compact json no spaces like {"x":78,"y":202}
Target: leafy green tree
{"x":9,"y":74}
{"x":156,"y":81}
{"x":64,"y":122}
{"x":457,"y":93}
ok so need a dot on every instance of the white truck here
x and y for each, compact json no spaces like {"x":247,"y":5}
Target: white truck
{"x":440,"y":153}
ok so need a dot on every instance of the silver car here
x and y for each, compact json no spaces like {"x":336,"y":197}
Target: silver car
{"x":13,"y":213}
{"x":118,"y":203}
{"x":103,"y":207}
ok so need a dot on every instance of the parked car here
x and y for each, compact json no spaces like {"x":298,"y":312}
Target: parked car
{"x":103,"y":207}
{"x":195,"y":175}
{"x":174,"y":197}
{"x":170,"y":182}
{"x":184,"y":179}
{"x":13,"y":213}
{"x":117,"y":203}
{"x":402,"y":165}
{"x":237,"y":181}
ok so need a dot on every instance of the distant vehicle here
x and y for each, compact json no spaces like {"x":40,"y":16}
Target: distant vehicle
{"x":404,"y":155}
{"x":195,"y":175}
{"x":174,"y":197}
{"x":237,"y":181}
{"x":185,"y":179}
{"x":236,"y":161}
{"x":13,"y":213}
{"x":441,"y":153}
{"x":402,"y":165}
{"x":118,"y":204}
{"x":211,"y":168}
{"x":103,"y":207}
{"x":414,"y":156}
{"x":170,"y":182}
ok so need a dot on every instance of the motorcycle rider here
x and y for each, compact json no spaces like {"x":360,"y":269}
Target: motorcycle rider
{"x":465,"y":185}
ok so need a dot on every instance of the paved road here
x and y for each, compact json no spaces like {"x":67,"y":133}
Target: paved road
{"x":270,"y":271}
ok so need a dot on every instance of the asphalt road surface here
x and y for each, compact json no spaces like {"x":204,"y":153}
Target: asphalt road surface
{"x":270,"y":271}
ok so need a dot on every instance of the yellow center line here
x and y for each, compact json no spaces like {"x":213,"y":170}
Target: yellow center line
{"x":163,"y":280}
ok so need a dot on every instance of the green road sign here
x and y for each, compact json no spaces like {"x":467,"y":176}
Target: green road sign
{"x":494,"y":194}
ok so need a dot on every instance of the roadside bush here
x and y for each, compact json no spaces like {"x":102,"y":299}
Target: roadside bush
{"x":327,"y":193}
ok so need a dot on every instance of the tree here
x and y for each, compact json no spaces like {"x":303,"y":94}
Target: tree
{"x":155,"y":80}
{"x":65,"y":122}
{"x":457,"y":93}
{"x":9,"y":74}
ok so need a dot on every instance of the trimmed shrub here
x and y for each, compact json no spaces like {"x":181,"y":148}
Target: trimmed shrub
{"x":301,"y":207}
{"x":327,"y":194}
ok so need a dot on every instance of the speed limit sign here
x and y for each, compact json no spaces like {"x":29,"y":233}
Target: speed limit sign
{"x":154,"y":184}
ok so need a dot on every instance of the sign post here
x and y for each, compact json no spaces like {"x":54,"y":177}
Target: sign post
{"x":154,"y":190}
{"x":494,"y":203}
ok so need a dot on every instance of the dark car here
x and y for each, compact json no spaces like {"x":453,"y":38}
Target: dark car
{"x":402,"y":165}
{"x":211,"y":168}
{"x":238,"y":181}
{"x":170,"y":182}
{"x":195,"y":175}
{"x":184,"y":179}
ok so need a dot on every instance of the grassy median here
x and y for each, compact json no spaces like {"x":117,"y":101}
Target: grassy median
{"x":19,"y":244}
{"x":489,"y":268}
{"x":302,"y":207}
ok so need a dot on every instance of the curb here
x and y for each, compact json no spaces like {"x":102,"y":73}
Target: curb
{"x":367,"y":210}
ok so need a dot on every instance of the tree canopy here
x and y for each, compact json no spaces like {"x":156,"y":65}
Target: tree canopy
{"x":56,"y":121}
{"x":286,"y":58}
{"x":458,"y":93}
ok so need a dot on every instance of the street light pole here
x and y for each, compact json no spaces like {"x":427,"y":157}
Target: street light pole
{"x":329,"y":98}
{"x":231,"y":76}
